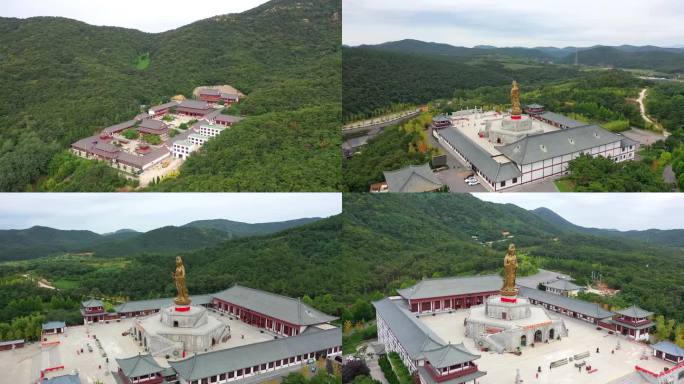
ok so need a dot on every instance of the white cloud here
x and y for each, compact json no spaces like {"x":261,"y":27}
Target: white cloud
{"x":147,"y":15}
{"x":622,"y":211}
{"x":514,"y":23}
{"x":106,"y":212}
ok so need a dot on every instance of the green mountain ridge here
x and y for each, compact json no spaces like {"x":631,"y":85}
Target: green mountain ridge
{"x":39,"y":241}
{"x":662,"y":237}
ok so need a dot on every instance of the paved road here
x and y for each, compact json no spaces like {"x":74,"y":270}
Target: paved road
{"x":355,"y":130}
{"x":642,"y":136}
{"x":375,"y":370}
{"x":539,"y":186}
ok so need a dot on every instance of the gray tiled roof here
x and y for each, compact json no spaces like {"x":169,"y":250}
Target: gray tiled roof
{"x":562,"y":120}
{"x":164,"y":106}
{"x":288,"y":309}
{"x":669,"y":348}
{"x":195,"y":104}
{"x":414,"y":178}
{"x":226,"y":95}
{"x":92,"y":303}
{"x":479,"y":158}
{"x":563,"y":285}
{"x":452,"y":286}
{"x":413,"y":336}
{"x":64,"y":379}
{"x":552,"y":144}
{"x":152,"y":124}
{"x":575,"y":305}
{"x":210,"y":91}
{"x":119,"y":127}
{"x":635,"y":312}
{"x":534,"y":105}
{"x":139,"y":365}
{"x":146,"y":305}
{"x":448,"y":355}
{"x":213,"y":363}
{"x":53,"y":325}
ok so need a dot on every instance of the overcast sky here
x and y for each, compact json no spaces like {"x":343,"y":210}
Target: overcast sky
{"x":107,"y":212}
{"x":623,"y":211}
{"x":524,"y":23}
{"x":146,"y":15}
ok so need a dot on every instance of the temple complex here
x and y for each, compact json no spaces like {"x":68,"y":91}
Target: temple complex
{"x":473,"y":329}
{"x":511,"y":148}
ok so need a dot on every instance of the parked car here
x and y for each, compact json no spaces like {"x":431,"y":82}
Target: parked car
{"x":470,"y":176}
{"x":473,"y":182}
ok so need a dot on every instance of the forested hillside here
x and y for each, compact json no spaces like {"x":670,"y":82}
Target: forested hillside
{"x":38,"y":241}
{"x":391,"y":240}
{"x":63,"y":80}
{"x":375,"y":79}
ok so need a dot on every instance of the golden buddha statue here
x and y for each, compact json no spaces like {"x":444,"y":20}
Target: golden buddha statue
{"x":183,"y":298}
{"x":515,"y":100}
{"x":510,"y":269}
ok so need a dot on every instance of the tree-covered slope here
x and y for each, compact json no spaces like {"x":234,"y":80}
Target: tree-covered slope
{"x":239,"y":229}
{"x":375,"y":79}
{"x":653,"y":58}
{"x":63,"y":80}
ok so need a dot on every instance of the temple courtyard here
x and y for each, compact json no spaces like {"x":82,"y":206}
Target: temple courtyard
{"x":582,"y":337}
{"x":24,"y":365}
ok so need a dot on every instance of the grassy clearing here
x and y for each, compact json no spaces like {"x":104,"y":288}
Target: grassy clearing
{"x":143,"y":61}
{"x":564,"y":185}
{"x":65,"y":284}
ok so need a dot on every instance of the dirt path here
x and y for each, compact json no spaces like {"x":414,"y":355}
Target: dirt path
{"x":642,"y":109}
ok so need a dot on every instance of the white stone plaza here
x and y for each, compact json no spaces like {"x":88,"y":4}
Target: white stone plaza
{"x":582,"y":337}
{"x":24,"y":365}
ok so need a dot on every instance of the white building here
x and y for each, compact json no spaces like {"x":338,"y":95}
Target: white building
{"x":183,"y":148}
{"x":505,"y":151}
{"x":198,"y":139}
{"x":211,"y":130}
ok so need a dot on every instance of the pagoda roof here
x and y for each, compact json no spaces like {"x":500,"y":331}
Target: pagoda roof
{"x":414,"y":178}
{"x":669,"y":348}
{"x":448,"y":355}
{"x":451,"y":286}
{"x":92,"y":303}
{"x":139,"y":365}
{"x":53,"y":325}
{"x":635,"y":312}
{"x":194,"y":104}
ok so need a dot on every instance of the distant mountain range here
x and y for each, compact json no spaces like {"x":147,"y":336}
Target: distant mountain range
{"x":667,"y":59}
{"x":668,"y":237}
{"x":41,"y":241}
